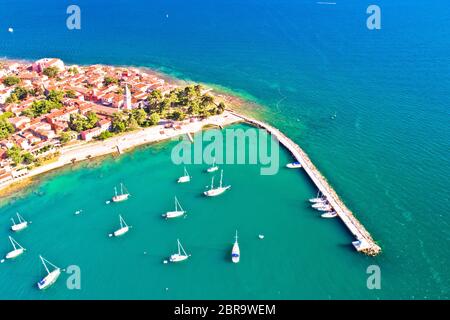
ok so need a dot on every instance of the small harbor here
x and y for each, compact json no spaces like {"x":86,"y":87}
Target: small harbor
{"x":363,"y":240}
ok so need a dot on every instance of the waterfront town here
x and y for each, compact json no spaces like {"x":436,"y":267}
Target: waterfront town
{"x":45,"y":105}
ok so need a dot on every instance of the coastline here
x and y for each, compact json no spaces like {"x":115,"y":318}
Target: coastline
{"x":118,"y":144}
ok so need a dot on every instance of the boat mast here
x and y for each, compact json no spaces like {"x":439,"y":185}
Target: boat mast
{"x":21,"y":219}
{"x":43,"y":262}
{"x":115,"y":191}
{"x":121,"y":188}
{"x":236,"y":237}
{"x":221,"y":177}
{"x":180,"y":246}
{"x":14,"y":223}
{"x":12,"y":242}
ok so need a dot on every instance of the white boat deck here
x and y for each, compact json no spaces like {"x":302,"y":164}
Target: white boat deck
{"x":365,"y":242}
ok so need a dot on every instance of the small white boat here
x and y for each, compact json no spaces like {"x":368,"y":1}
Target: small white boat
{"x":318,"y":199}
{"x":319,"y":205}
{"x":177,"y":213}
{"x":51,"y":277}
{"x":22,"y":223}
{"x":185,"y":177}
{"x":329,"y":214}
{"x":123,"y":227}
{"x":10,"y":30}
{"x":235,"y":252}
{"x":180,"y":256}
{"x":294,"y":165}
{"x":18,"y":249}
{"x":122,"y":196}
{"x":212,"y":192}
{"x":213,"y":168}
{"x":325,"y":208}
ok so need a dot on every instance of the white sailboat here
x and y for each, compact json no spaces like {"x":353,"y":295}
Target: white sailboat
{"x":318,"y":199}
{"x":18,"y":249}
{"x":177,"y":213}
{"x":319,"y":205}
{"x":325,"y":208}
{"x":329,"y":214}
{"x":213,"y":168}
{"x":122,"y":196}
{"x":294,"y":165}
{"x":180,"y":256}
{"x":51,"y":277}
{"x":235,"y":252}
{"x":185,"y":177}
{"x":212,"y":192}
{"x":123,"y":227}
{"x":22,"y":223}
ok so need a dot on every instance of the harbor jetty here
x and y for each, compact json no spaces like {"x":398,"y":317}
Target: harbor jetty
{"x":363,"y":240}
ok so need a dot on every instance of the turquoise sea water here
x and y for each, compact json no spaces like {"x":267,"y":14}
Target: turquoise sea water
{"x":386,"y":153}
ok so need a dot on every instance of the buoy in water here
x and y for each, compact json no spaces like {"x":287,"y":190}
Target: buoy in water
{"x":165,"y":261}
{"x":107,"y":202}
{"x":110,"y":235}
{"x":261,"y":236}
{"x":3,"y":260}
{"x":11,"y":30}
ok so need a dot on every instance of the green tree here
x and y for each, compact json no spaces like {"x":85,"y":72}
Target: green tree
{"x":74,"y":70}
{"x":65,"y":137}
{"x":55,"y":96}
{"x":221,"y":108}
{"x":139,"y":115}
{"x":104,"y":135}
{"x":92,"y":120}
{"x":12,"y":99}
{"x":119,"y":122}
{"x":51,"y":72}
{"x":28,"y":158}
{"x":178,"y":115}
{"x":109,"y":80}
{"x":20,"y":92}
{"x":6,"y":128}
{"x":153,"y":119}
{"x":11,"y":81}
{"x":41,"y":107}
{"x":70,"y":94}
{"x":154,"y":99}
{"x":15,"y":154}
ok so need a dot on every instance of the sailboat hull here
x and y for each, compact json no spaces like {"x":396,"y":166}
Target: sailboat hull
{"x":212,"y":169}
{"x":121,"y":231}
{"x":184,"y":179}
{"x":173,"y":214}
{"x":14,"y":254}
{"x":19,"y":226}
{"x":235,"y":253}
{"x":178,"y":257}
{"x":216,"y":192}
{"x":49,"y":279}
{"x":120,"y":198}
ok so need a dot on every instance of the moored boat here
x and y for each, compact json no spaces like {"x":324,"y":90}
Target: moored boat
{"x":124,"y":228}
{"x":185,"y":177}
{"x":181,"y":255}
{"x":122,"y":196}
{"x":17,"y":249}
{"x":212,"y":192}
{"x":177,"y":213}
{"x":235,"y":252}
{"x":294,"y":165}
{"x":51,"y":276}
{"x":329,"y":214}
{"x":22,"y":223}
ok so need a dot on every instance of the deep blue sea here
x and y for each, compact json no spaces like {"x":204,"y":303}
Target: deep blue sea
{"x":300,"y":62}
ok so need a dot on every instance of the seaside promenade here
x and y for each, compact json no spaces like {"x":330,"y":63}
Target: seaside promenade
{"x":364,"y":241}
